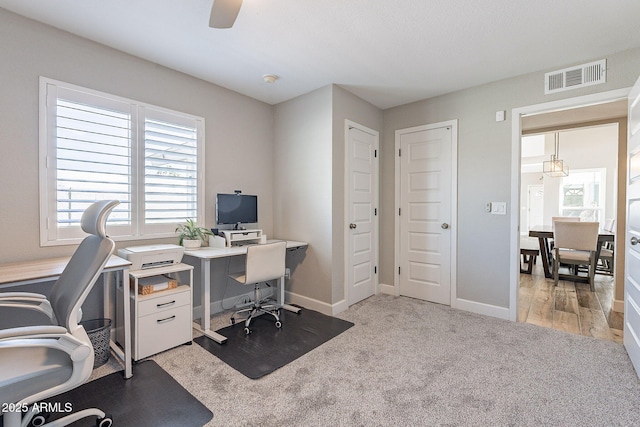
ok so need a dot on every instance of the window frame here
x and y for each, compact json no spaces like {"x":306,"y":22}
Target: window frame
{"x":50,"y":233}
{"x":598,"y":211}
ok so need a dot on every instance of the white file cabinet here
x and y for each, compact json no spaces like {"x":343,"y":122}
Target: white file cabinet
{"x":162,"y":319}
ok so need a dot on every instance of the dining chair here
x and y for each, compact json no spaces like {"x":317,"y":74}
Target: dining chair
{"x":605,"y":260}
{"x":575,"y":244}
{"x":555,"y":219}
{"x":263,"y":263}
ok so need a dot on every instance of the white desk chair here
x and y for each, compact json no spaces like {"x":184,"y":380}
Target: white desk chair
{"x":43,"y":350}
{"x":575,"y":244}
{"x":263,"y":263}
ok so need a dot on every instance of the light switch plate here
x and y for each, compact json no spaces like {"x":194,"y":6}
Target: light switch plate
{"x":499,"y":208}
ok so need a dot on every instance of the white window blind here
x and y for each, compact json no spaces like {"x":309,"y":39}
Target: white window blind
{"x":96,"y":146}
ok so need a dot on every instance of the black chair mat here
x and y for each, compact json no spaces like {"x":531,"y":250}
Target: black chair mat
{"x":268,"y":348}
{"x":150,"y":398}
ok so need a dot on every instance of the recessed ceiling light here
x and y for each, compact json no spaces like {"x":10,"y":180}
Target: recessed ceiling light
{"x":270,"y":78}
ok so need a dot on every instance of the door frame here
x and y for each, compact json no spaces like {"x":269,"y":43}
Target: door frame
{"x":348,"y":124}
{"x":516,"y":130}
{"x":453,"y":226}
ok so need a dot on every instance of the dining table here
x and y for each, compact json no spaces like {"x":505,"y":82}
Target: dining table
{"x":545,"y":232}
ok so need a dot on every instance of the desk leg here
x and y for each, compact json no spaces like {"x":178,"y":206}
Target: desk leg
{"x":205,"y":303}
{"x":544,"y":254}
{"x":127,"y":323}
{"x":125,"y":353}
{"x":281,"y":303}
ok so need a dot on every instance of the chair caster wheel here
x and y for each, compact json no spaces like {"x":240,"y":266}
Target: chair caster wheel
{"x":247,"y":331}
{"x":233,"y":321}
{"x":107,"y":421}
{"x":278,"y":324}
{"x":40,"y":419}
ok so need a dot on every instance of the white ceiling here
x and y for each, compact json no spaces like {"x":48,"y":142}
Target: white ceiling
{"x":388,"y":52}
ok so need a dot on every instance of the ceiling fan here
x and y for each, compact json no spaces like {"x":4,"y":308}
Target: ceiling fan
{"x":224,"y":13}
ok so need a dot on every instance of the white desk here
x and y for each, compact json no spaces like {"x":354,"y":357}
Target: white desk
{"x":205,"y":255}
{"x":45,"y":270}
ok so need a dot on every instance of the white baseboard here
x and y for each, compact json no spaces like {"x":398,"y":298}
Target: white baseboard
{"x":314,"y":304}
{"x":618,"y":306}
{"x":481,"y":308}
{"x":388,"y":289}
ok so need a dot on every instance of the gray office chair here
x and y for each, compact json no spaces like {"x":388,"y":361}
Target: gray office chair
{"x":43,"y":350}
{"x":263,"y":263}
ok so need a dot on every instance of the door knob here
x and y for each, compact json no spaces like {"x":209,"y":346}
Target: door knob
{"x":352,"y":226}
{"x":634,"y":240}
{"x":444,"y":226}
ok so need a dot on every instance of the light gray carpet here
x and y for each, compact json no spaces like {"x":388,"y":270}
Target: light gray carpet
{"x":408,"y":362}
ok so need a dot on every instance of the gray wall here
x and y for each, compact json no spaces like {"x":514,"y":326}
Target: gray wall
{"x":484,"y":168}
{"x":238,"y":147}
{"x":29,"y":50}
{"x":303,"y":185}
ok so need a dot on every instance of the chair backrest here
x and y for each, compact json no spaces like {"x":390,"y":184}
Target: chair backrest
{"x":84,"y":267}
{"x":265,"y":262}
{"x":609,"y":225}
{"x":582,"y":236}
{"x":565,"y":218}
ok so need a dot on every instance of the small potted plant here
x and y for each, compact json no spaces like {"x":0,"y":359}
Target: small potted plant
{"x":191,"y":236}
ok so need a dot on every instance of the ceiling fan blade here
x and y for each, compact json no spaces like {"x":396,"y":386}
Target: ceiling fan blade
{"x":224,"y":13}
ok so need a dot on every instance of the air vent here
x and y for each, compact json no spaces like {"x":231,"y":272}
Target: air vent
{"x":589,"y":74}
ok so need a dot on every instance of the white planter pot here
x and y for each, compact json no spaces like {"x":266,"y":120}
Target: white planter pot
{"x":190,"y":245}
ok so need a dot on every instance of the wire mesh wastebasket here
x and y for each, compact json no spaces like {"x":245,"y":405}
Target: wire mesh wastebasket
{"x":99,"y":332}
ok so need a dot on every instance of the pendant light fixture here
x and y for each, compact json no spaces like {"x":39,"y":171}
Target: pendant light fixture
{"x":555,"y":167}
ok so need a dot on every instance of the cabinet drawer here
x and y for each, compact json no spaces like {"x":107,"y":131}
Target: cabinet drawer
{"x":165,"y":301}
{"x":163,"y":330}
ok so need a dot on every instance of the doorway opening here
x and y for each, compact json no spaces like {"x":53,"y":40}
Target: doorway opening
{"x":594,"y":191}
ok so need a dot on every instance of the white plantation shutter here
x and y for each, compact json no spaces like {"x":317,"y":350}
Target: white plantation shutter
{"x":170,"y":168}
{"x":96,"y":146}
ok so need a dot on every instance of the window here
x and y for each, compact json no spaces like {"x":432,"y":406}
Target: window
{"x":96,"y":146}
{"x":582,"y":194}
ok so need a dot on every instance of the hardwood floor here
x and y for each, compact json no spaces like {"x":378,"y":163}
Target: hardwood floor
{"x":569,"y":307}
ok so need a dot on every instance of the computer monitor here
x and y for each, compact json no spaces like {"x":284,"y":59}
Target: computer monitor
{"x":236,"y":209}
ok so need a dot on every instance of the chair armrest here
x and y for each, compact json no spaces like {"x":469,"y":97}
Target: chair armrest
{"x":27,"y":301}
{"x":21,"y":296}
{"x":32,"y":332}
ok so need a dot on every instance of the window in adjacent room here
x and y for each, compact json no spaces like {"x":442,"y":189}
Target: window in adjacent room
{"x":582,"y":194}
{"x":96,"y":146}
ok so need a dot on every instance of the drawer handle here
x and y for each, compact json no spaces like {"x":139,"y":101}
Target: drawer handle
{"x":168,"y":319}
{"x":165,"y":304}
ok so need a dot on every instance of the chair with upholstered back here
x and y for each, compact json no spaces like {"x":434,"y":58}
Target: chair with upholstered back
{"x":263,"y":263}
{"x":605,"y":261}
{"x":44,"y":351}
{"x":554,"y":219}
{"x":575,"y":244}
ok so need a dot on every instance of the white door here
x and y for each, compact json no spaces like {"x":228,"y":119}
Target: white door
{"x":362,"y":212}
{"x":424,"y":264}
{"x":632,"y":269}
